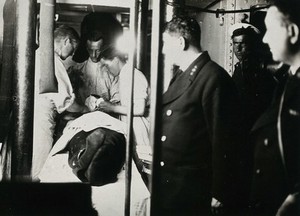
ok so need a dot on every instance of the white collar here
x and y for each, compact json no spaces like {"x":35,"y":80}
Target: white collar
{"x":293,"y":70}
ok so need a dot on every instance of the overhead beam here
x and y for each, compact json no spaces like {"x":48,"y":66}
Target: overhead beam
{"x":108,"y":3}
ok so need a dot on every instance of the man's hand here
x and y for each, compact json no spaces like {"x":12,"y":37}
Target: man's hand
{"x":105,"y":106}
{"x":91,"y":102}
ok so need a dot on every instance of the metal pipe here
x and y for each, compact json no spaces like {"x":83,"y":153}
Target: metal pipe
{"x":9,"y":11}
{"x":47,"y":82}
{"x":156,"y":84}
{"x":132,"y":63}
{"x":159,"y":73}
{"x":212,"y":4}
{"x":23,"y":90}
{"x":142,"y":35}
{"x":174,"y":7}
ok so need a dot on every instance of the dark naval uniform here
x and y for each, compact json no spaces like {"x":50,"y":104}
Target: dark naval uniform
{"x":276,"y":136}
{"x":256,"y":87}
{"x":200,"y":140}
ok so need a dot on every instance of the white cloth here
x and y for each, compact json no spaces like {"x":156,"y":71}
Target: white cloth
{"x":91,"y":102}
{"x":98,"y":81}
{"x":46,"y":107}
{"x":141,"y":124}
{"x":87,"y":122}
{"x":108,"y":199}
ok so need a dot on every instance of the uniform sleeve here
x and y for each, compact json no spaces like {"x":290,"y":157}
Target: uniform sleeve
{"x":223,"y":117}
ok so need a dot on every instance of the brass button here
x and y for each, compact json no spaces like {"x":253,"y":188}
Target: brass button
{"x":266,"y":142}
{"x":163,"y":138}
{"x":169,"y":112}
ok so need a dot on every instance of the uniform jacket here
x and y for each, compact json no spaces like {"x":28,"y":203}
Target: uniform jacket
{"x":255,"y":86}
{"x":275,"y":179}
{"x":289,"y":128}
{"x":200,"y":137}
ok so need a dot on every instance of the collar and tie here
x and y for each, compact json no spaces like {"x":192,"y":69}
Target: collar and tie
{"x":176,"y":75}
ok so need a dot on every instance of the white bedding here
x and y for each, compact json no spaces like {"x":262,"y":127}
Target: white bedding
{"x":108,"y":200}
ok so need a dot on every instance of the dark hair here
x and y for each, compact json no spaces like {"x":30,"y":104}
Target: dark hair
{"x":251,"y":36}
{"x":64,"y":31}
{"x":186,"y":27}
{"x":94,"y":36}
{"x":244,"y":31}
{"x":111,"y":52}
{"x":105,"y":23}
{"x":290,"y":9}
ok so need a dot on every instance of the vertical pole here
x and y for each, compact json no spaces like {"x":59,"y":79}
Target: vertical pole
{"x":142,"y":35}
{"x":23,"y":90}
{"x":159,"y":70}
{"x":131,"y":62}
{"x":9,"y":13}
{"x":156,"y":97}
{"x":9,"y":18}
{"x":47,"y":80}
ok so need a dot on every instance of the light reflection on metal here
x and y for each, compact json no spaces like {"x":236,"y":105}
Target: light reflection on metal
{"x":7,"y":66}
{"x":46,"y":49}
{"x":156,"y":97}
{"x":131,"y":64}
{"x":23,"y":90}
{"x":158,"y":75}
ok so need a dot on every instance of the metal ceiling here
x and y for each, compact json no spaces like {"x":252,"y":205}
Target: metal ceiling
{"x":72,"y":11}
{"x":114,"y":6}
{"x":202,"y":3}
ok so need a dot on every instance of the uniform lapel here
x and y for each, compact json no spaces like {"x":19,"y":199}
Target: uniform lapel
{"x":290,"y":89}
{"x":184,"y":80}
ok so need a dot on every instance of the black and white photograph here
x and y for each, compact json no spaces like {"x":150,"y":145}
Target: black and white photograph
{"x":149,"y":107}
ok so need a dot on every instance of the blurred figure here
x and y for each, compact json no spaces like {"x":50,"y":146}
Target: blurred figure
{"x":201,"y":133}
{"x":49,"y":105}
{"x":275,"y":184}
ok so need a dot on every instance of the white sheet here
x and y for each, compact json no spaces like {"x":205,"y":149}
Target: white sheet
{"x":108,"y":200}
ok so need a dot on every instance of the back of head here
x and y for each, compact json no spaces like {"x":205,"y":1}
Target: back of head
{"x":290,"y":9}
{"x":64,"y":31}
{"x":185,"y":27}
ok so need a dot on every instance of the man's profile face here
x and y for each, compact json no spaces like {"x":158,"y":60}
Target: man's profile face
{"x":112,"y":65}
{"x":171,"y":47}
{"x":241,"y":47}
{"x":94,"y":49}
{"x":276,"y":35}
{"x":68,"y":48}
